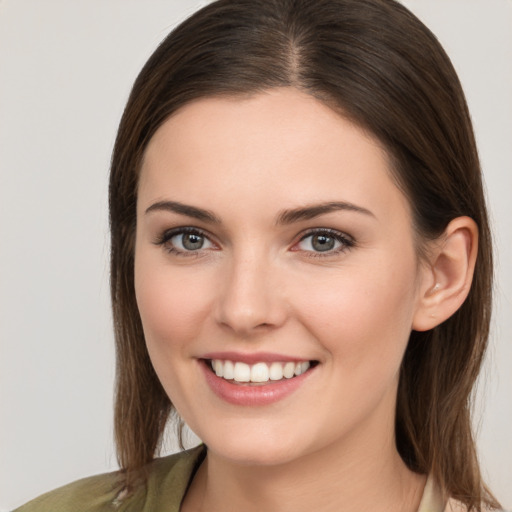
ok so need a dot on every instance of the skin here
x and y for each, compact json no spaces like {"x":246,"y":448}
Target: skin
{"x":258,"y":285}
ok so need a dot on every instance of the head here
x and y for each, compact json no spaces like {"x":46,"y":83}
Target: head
{"x":373,"y":64}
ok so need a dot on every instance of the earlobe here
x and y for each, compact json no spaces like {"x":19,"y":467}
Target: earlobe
{"x":448,"y":274}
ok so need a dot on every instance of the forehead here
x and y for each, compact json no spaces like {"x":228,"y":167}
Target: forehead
{"x":280,"y":146}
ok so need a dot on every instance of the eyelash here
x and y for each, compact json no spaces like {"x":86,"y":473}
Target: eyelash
{"x":346,"y":242}
{"x":166,"y":237}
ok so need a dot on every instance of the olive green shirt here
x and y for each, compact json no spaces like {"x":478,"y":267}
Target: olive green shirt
{"x":167,"y":484}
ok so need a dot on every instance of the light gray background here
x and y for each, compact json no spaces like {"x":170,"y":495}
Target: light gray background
{"x":66,"y":68}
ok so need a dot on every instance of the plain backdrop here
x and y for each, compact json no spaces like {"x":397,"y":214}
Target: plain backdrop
{"x":66,"y":68}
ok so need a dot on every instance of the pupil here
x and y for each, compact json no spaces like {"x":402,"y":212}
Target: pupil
{"x":192,"y":241}
{"x":323,"y":243}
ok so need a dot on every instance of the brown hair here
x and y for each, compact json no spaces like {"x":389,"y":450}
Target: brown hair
{"x":378,"y":65}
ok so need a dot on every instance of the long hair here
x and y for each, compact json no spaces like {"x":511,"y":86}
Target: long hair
{"x":380,"y":67}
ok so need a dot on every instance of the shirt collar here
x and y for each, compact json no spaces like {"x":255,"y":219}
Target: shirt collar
{"x":432,"y":499}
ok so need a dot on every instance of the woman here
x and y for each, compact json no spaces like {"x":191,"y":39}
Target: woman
{"x":301,"y":267}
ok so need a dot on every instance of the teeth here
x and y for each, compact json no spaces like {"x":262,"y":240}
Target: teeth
{"x":276,"y":371}
{"x":300,"y":368}
{"x":229,"y":370}
{"x":289,"y":370}
{"x":242,"y":372}
{"x":217,"y":367}
{"x":259,"y":372}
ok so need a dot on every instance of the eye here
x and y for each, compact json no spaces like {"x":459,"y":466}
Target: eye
{"x":185,"y":240}
{"x":190,"y":241}
{"x":324,"y":241}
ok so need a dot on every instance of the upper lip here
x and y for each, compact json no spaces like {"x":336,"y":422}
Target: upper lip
{"x":253,"y":358}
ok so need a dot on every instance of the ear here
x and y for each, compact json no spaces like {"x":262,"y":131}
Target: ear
{"x":447,"y":275}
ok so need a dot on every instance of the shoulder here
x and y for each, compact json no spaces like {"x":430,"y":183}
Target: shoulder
{"x":168,"y":479}
{"x":433,"y":500}
{"x":88,"y":494}
{"x":456,"y":506}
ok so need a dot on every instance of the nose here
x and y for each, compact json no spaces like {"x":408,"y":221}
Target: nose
{"x":251,"y":298}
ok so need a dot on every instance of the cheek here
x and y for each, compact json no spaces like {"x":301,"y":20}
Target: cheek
{"x":172,"y":305}
{"x":363,"y":319}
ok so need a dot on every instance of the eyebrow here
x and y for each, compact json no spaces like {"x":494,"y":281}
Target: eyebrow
{"x":310,"y":212}
{"x":285,"y":217}
{"x":184,"y":209}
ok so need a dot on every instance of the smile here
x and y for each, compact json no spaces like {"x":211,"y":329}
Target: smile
{"x":256,"y":379}
{"x":259,"y":372}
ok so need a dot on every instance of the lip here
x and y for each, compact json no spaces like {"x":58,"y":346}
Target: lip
{"x":253,"y":394}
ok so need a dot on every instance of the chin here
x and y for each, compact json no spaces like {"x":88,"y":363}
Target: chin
{"x":257,"y":446}
{"x":261,"y":455}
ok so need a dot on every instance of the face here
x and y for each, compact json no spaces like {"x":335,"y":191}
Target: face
{"x":276,"y":276}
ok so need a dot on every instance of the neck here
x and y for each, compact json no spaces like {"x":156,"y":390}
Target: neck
{"x":363,"y":473}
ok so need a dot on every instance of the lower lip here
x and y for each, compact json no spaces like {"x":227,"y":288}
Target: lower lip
{"x":252,"y":394}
